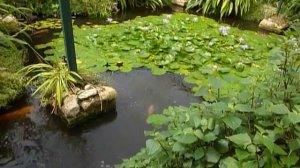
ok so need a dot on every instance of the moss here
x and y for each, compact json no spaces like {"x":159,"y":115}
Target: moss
{"x":11,"y":86}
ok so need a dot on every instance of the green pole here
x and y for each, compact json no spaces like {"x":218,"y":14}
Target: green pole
{"x":65,"y":14}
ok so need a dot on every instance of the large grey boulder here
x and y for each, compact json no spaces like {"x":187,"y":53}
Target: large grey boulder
{"x":88,"y":103}
{"x":274,"y":24}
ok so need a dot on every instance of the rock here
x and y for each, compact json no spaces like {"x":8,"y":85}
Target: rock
{"x":3,"y":69}
{"x":9,"y":19}
{"x":89,"y":103}
{"x":274,"y":24}
{"x":88,"y":86}
{"x":106,"y":94}
{"x":179,"y":2}
{"x":87,"y":94}
{"x":70,"y":106}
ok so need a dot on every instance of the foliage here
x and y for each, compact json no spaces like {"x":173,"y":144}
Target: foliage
{"x":11,"y":85}
{"x":52,"y":82}
{"x":222,"y":7}
{"x":11,"y":58}
{"x":180,"y":46}
{"x":146,"y":3}
{"x":249,"y":82}
{"x":256,"y":125}
{"x":99,"y":8}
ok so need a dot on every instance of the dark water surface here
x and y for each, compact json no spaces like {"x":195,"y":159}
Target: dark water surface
{"x":38,"y":139}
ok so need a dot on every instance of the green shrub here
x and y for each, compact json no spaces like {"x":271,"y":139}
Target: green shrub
{"x":11,"y":87}
{"x":51,"y":82}
{"x":256,"y":125}
{"x":11,"y":60}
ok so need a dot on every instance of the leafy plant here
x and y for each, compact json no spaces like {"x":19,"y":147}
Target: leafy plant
{"x":251,"y":127}
{"x":52,"y":82}
{"x":147,"y":3}
{"x":222,"y":7}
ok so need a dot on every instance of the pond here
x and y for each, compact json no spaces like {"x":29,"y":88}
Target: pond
{"x":38,"y":139}
{"x":31,"y":137}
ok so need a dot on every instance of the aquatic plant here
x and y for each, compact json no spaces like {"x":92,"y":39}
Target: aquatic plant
{"x":52,"y":82}
{"x":254,"y":125}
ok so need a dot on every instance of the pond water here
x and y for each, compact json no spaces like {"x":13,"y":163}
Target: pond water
{"x":38,"y":139}
{"x":31,"y":137}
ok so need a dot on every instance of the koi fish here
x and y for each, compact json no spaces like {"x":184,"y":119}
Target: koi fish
{"x":16,"y":114}
{"x":150,"y":110}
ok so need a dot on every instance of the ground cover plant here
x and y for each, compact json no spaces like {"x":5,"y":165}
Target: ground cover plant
{"x":249,"y":83}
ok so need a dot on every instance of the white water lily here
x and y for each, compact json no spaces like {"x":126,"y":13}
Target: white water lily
{"x":165,"y":21}
{"x":109,"y":20}
{"x":244,"y":47}
{"x":224,"y":30}
{"x":195,"y":19}
{"x":241,"y":39}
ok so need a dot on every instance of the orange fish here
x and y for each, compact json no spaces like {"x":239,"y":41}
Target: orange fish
{"x":8,"y":116}
{"x":150,"y":110}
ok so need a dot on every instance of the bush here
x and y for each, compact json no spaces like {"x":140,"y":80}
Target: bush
{"x":255,"y":125}
{"x":52,"y":82}
{"x":11,"y":60}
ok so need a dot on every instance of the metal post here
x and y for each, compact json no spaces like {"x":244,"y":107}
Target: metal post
{"x":65,"y":14}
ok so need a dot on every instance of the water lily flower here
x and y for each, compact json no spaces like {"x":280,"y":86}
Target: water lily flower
{"x":145,"y":28}
{"x":195,"y":19}
{"x":168,"y":16}
{"x":109,"y":20}
{"x":244,"y":47}
{"x":165,"y":21}
{"x":294,"y":42}
{"x":224,"y":30}
{"x":241,"y":39}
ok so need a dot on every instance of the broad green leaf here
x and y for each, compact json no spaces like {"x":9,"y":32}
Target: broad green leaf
{"x":241,"y":154}
{"x":279,"y":109}
{"x":290,"y":160}
{"x":152,"y":146}
{"x":294,"y":144}
{"x":209,"y":137}
{"x":294,"y":117}
{"x":273,"y":148}
{"x":222,"y":146}
{"x":178,"y":147}
{"x":186,"y":138}
{"x":212,"y":155}
{"x":243,"y":108}
{"x":198,"y":154}
{"x":241,"y":139}
{"x":216,"y":83}
{"x":228,"y":162}
{"x":250,"y":164}
{"x":157,"y":119}
{"x":232,"y":122}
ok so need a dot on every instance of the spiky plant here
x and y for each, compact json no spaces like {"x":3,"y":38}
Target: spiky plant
{"x":51,"y":82}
